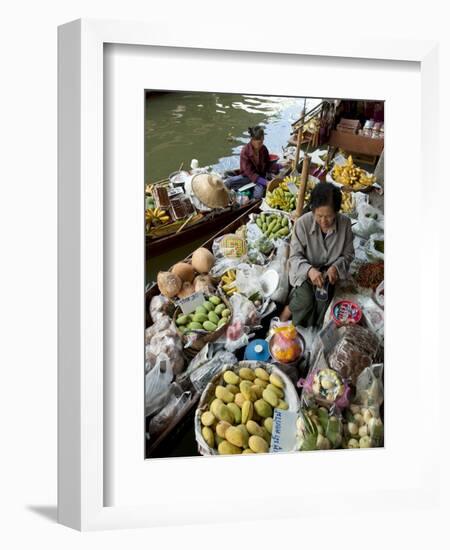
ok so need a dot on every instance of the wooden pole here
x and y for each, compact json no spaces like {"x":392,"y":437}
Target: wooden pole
{"x":297,"y":150}
{"x":303,"y":183}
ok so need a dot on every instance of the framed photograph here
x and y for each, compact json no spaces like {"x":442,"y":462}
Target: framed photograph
{"x":222,"y":272}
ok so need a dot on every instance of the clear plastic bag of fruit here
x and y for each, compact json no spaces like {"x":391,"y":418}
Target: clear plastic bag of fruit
{"x":319,"y":429}
{"x":324,"y":386}
{"x":285,"y":343}
{"x":363,"y":427}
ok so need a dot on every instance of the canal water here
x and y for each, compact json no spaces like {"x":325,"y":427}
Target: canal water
{"x":212,"y":128}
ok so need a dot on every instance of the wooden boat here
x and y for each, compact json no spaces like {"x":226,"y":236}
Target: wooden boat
{"x":204,"y":224}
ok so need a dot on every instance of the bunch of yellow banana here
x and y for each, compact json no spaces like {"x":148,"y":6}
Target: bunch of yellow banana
{"x":229,"y":282}
{"x":281,"y":198}
{"x":149,"y":188}
{"x":290,"y":179}
{"x":352,"y":176}
{"x":156,"y":216}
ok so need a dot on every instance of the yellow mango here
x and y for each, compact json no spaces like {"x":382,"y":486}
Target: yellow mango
{"x":276,"y":380}
{"x":208,"y":436}
{"x":235,"y":436}
{"x":247,"y":411}
{"x":239,"y":399}
{"x":231,"y":377}
{"x":236,"y":411}
{"x":262,"y":374}
{"x":221,"y":428}
{"x":263,"y":408}
{"x":247,"y":374}
{"x":270,"y":397}
{"x":207,"y":418}
{"x":257,"y":444}
{"x":223,"y":394}
{"x":227,"y":448}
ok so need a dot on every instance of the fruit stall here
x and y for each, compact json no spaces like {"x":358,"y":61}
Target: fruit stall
{"x":225,"y":375}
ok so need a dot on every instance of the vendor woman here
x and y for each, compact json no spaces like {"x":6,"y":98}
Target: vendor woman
{"x":320,"y":255}
{"x":255,"y":165}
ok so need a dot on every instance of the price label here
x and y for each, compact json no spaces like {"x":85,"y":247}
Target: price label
{"x":284,"y":431}
{"x":189,"y":304}
{"x":293,"y":188}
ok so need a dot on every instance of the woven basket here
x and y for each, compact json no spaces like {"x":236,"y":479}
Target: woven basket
{"x":204,"y":337}
{"x":290,"y":397}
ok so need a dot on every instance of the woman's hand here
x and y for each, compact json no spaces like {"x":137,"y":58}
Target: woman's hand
{"x":316,"y":277}
{"x":332,"y":274}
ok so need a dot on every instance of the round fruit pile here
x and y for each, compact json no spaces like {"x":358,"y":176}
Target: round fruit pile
{"x":238,"y":418}
{"x":210,"y":316}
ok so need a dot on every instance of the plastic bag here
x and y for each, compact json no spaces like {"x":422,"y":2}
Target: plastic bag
{"x":369,"y":387}
{"x":373,"y":316}
{"x":248,"y":280}
{"x":245,"y":318}
{"x":280,"y":264}
{"x":173,"y":409}
{"x":324,"y":386}
{"x":355,"y":351}
{"x":379,"y":295}
{"x":163,"y":322}
{"x":375,"y":247}
{"x":168,"y":342}
{"x":285,"y":343}
{"x":319,"y":429}
{"x":159,"y":306}
{"x":370,"y":220}
{"x":363,"y":426}
{"x":203,"y":374}
{"x":157,"y":383}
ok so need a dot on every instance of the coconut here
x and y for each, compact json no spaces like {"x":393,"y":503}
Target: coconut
{"x":202,"y":260}
{"x":203,"y":283}
{"x":186,"y":290}
{"x":184,"y":271}
{"x":169,"y":284}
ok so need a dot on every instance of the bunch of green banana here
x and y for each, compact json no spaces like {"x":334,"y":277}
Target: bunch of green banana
{"x":274,"y":226}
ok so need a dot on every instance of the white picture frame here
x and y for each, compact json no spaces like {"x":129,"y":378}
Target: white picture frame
{"x":82,"y":402}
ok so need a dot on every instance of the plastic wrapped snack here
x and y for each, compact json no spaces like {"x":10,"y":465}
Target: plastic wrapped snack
{"x":285,"y":344}
{"x":369,"y":387}
{"x":355,"y":351}
{"x":318,"y":429}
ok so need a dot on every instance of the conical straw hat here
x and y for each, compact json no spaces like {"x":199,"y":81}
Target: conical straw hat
{"x":210,"y":190}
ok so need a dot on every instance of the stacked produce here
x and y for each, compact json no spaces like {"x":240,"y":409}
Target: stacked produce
{"x":363,"y":428}
{"x":350,"y":175}
{"x":274,"y":226}
{"x":239,"y":418}
{"x":210,"y":316}
{"x":317,"y":429}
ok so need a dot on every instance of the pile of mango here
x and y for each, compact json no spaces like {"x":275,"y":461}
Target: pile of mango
{"x":210,"y":316}
{"x":274,"y":226}
{"x":239,"y":419}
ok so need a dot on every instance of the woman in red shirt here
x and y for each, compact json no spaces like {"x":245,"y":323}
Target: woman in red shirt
{"x":255,"y":166}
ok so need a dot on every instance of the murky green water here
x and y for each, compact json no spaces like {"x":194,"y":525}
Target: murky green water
{"x":211,"y":127}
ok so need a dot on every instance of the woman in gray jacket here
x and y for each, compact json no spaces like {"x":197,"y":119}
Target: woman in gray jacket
{"x":320,"y":254}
